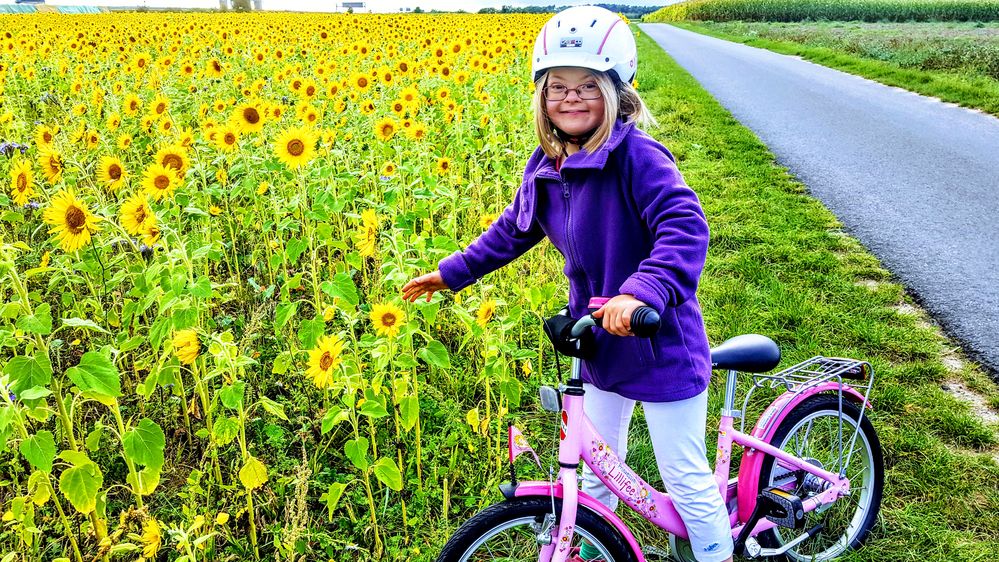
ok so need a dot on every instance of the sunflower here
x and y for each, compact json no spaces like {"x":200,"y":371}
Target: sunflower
{"x":71,"y":221}
{"x":151,"y":234}
{"x":186,"y":346}
{"x":367,"y":107}
{"x":360,"y":81}
{"x":45,"y":136}
{"x":227,"y":139}
{"x":399,"y":107}
{"x":485,"y":312}
{"x":249,"y":117}
{"x":325,"y":360}
{"x":214,"y":210}
{"x":309,"y":89}
{"x":295,"y":147}
{"x":21,"y":180}
{"x":411,"y":96}
{"x":165,"y":126}
{"x":132,"y":105}
{"x":159,"y":106}
{"x":388,"y":170}
{"x":417,"y":132}
{"x":91,"y":140}
{"x":214,"y":68}
{"x":385,"y":128}
{"x":487,"y":219}
{"x":443,"y":166}
{"x":387,"y":318}
{"x":151,"y":538}
{"x":310,"y":115}
{"x":113,"y":121}
{"x":111,"y":172}
{"x":136,"y":215}
{"x":173,"y":156}
{"x":51,"y":163}
{"x":367,"y":233}
{"x":160,"y":181}
{"x":124,"y":142}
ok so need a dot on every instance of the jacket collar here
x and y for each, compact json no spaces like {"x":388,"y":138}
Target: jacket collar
{"x":546,"y":167}
{"x":585,"y":160}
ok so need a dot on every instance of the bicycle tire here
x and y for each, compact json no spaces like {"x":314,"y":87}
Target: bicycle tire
{"x":849,"y":519}
{"x":529,"y":514}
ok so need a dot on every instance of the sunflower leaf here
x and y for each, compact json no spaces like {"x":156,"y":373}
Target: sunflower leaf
{"x":435,"y":354}
{"x":357,"y":452}
{"x":388,"y":473}
{"x":29,"y":372}
{"x":80,"y":485}
{"x":144,"y":444}
{"x":39,"y":450}
{"x":83,"y":323}
{"x":342,"y":287}
{"x":285,"y":311}
{"x":253,"y":474}
{"x":96,"y":374}
{"x":38,"y":323}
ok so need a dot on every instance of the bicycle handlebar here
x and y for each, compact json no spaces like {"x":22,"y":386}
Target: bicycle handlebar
{"x":644,"y":323}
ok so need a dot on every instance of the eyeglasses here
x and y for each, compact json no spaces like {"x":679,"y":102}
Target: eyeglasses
{"x":558,"y":92}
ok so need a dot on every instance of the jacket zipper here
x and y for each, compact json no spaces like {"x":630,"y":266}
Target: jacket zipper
{"x":568,"y":233}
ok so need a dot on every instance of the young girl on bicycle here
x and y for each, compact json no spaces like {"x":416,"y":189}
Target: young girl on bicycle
{"x":610,"y":198}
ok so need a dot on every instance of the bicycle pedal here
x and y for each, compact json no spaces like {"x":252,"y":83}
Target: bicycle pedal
{"x":782,"y":507}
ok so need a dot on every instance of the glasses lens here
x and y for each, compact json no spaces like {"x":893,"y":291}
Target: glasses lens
{"x":588,"y":91}
{"x":556,"y":93}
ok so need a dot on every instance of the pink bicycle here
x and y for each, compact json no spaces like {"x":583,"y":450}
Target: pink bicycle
{"x":808,"y":488}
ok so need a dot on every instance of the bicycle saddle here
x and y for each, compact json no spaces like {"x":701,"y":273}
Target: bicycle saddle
{"x":750,"y":353}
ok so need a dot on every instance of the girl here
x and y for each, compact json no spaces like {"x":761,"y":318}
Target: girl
{"x":610,"y":198}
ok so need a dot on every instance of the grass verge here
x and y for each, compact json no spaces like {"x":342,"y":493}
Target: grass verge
{"x":967,"y":90}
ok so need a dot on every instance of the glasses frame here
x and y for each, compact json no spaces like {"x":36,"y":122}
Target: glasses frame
{"x":577,"y":89}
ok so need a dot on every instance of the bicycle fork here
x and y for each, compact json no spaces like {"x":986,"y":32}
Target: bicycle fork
{"x":568,"y":459}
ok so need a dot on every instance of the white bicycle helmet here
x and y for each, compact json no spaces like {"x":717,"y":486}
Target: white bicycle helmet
{"x":588,"y":37}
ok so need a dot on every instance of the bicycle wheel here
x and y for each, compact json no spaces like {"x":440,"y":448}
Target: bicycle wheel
{"x":811,"y":432}
{"x":509,"y":530}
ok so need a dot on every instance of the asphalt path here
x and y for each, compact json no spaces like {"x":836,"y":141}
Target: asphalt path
{"x":914,"y":179}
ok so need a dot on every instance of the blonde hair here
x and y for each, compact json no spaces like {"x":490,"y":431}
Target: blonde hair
{"x":621,"y":101}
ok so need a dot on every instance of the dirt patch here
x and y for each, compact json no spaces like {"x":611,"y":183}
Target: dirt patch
{"x":979,"y":406}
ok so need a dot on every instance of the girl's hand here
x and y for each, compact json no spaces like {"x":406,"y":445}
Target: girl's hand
{"x":429,"y":284}
{"x":616,"y":314}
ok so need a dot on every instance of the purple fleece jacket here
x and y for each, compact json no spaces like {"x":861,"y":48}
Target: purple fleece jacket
{"x":625,"y":222}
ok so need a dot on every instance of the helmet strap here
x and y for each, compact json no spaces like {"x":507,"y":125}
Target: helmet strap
{"x":578,"y":140}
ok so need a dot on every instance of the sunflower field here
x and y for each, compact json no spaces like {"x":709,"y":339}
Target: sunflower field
{"x":205,"y":224}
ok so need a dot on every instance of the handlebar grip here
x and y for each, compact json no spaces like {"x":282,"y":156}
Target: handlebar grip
{"x":644,"y":322}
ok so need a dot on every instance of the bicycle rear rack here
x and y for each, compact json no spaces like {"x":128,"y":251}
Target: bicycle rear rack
{"x":809,"y":375}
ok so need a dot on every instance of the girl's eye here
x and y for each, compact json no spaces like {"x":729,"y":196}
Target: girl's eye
{"x":589,"y":88}
{"x":557,"y":88}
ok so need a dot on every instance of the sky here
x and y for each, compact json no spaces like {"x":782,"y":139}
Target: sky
{"x":324,"y":6}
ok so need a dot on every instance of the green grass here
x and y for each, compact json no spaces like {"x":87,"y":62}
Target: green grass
{"x":957,"y":63}
{"x":779,"y":265}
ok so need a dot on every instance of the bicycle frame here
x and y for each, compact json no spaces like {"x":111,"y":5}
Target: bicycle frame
{"x":579,"y":440}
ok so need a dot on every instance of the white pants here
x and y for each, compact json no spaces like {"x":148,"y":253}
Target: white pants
{"x":677,"y":431}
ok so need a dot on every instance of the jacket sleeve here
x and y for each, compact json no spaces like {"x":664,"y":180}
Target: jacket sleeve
{"x":669,"y":276}
{"x":500,"y":244}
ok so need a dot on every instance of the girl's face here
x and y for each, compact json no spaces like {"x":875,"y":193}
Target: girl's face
{"x":574,"y":115}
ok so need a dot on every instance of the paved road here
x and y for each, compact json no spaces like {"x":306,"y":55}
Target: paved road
{"x":914,"y":179}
